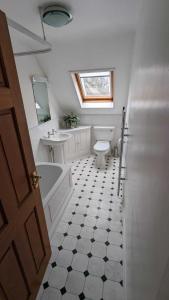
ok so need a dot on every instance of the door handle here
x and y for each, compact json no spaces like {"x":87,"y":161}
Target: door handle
{"x":35,"y":179}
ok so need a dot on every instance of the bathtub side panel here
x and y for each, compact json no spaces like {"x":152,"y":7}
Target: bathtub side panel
{"x":48,"y":217}
{"x":56,"y":202}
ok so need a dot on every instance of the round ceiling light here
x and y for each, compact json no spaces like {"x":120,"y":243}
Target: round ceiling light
{"x":56,"y":16}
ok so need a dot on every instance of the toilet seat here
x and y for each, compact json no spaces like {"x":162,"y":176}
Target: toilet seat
{"x":102,"y":146}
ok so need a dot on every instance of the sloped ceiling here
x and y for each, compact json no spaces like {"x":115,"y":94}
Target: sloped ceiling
{"x":89,"y":53}
{"x":100,"y":35}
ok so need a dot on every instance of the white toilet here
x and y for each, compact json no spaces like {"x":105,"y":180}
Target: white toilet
{"x":103,"y":136}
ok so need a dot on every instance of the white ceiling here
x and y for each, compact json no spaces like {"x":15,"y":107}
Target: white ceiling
{"x":100,"y":36}
{"x":90,"y":17}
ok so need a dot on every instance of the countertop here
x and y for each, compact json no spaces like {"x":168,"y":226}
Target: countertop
{"x":74,"y":129}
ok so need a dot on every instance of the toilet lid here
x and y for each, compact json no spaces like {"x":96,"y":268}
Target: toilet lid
{"x":102,"y":146}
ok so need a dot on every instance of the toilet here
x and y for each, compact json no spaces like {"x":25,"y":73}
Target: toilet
{"x":103,"y":138}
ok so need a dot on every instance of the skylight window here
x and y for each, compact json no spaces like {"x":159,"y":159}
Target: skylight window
{"x":95,"y":86}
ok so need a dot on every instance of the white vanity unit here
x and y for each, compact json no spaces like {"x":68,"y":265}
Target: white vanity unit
{"x":68,"y":144}
{"x":79,"y":144}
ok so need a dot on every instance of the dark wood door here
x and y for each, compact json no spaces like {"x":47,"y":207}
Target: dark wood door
{"x":24,"y":243}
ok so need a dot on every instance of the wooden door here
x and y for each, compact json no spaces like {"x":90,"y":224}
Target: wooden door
{"x":24,"y":243}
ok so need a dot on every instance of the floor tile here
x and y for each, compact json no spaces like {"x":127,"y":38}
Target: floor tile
{"x":57,"y":277}
{"x":114,"y":271}
{"x":102,"y":223}
{"x":78,"y":219}
{"x":84,"y":246}
{"x":80,"y":262}
{"x":64,"y":258}
{"x":113,"y":290}
{"x":93,"y":288}
{"x":96,"y":266}
{"x":98,"y":249}
{"x":51,"y":294}
{"x":115,"y":217}
{"x":115,"y":238}
{"x":100,"y":235}
{"x":83,"y":201}
{"x":81,"y":209}
{"x":114,"y":253}
{"x":90,"y":221}
{"x":115,"y":226}
{"x":74,"y":229}
{"x":92,"y":212}
{"x":68,"y":296}
{"x":87,"y":232}
{"x":69,"y":242}
{"x":103,"y":214}
{"x":75,"y":282}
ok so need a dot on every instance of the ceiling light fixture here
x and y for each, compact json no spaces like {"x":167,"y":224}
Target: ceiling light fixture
{"x":56,"y":16}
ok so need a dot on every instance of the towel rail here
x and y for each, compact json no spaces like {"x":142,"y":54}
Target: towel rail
{"x":121,"y":150}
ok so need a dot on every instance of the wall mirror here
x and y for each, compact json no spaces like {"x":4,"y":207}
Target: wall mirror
{"x":40,"y":91}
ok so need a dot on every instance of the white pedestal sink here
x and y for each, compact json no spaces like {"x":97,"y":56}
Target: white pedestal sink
{"x":57,"y":141}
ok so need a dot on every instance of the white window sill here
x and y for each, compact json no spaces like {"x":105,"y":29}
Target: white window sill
{"x":96,"y":105}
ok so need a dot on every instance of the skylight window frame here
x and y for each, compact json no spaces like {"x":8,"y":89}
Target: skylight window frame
{"x":94,"y":99}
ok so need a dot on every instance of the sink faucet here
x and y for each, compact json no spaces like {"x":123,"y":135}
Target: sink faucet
{"x":53,"y":131}
{"x":49,"y":134}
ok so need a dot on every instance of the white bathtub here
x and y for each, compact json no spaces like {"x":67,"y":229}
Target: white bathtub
{"x":56,"y":188}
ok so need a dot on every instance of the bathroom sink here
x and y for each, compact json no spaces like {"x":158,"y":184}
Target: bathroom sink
{"x":57,"y":138}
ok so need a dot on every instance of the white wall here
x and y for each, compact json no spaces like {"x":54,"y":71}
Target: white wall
{"x":80,"y":54}
{"x":26,"y":67}
{"x":147,"y":187}
{"x":88,"y":42}
{"x":108,"y":120}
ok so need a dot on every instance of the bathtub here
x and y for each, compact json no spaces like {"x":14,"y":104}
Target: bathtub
{"x":56,"y":188}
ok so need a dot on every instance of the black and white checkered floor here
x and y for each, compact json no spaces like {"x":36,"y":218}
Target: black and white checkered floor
{"x":87,"y":247}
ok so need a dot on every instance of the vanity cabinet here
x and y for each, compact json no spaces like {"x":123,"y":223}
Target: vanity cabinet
{"x":79,"y":144}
